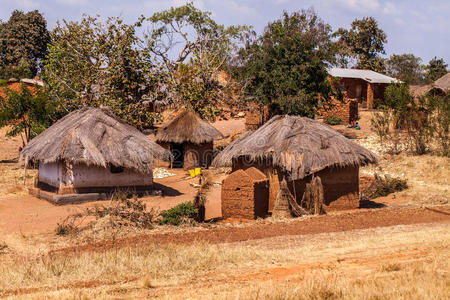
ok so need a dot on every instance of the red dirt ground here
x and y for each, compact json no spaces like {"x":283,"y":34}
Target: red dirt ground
{"x":352,"y":220}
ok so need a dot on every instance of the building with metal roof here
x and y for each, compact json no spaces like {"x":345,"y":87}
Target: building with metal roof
{"x":367,"y":75}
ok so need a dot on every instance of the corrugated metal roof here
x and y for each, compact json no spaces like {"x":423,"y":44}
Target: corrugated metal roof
{"x":33,"y":81}
{"x":367,"y":75}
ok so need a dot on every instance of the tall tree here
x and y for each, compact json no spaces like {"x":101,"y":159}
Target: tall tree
{"x":364,"y":41}
{"x":194,"y":49}
{"x":27,"y":112}
{"x":435,"y":69}
{"x":287,"y":64}
{"x":405,"y":67}
{"x":23,"y":44}
{"x":92,"y":63}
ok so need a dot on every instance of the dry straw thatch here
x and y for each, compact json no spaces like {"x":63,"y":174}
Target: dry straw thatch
{"x":443,"y":83}
{"x":188,"y":127}
{"x":95,"y":136}
{"x":298,"y":145}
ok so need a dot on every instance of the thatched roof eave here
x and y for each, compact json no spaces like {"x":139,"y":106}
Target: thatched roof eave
{"x":188,"y":127}
{"x":95,"y":137}
{"x":297,"y":145}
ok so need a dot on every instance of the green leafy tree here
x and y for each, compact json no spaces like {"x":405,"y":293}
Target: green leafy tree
{"x":286,"y":65}
{"x":364,"y":42}
{"x":435,"y":69}
{"x":27,"y":113}
{"x":405,"y":67}
{"x":194,"y":49}
{"x":23,"y":44}
{"x":92,"y":63}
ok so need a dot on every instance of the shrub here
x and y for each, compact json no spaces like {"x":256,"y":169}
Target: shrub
{"x":333,"y":120}
{"x":182,"y":213}
{"x":65,"y":229}
{"x":380,"y":124}
{"x":125,"y":211}
{"x":384,"y":185}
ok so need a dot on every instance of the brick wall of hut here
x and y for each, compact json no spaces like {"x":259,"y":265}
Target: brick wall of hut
{"x":244,"y":196}
{"x":346,"y":110}
{"x":255,"y":116}
{"x":197,"y":155}
{"x":341,"y":185}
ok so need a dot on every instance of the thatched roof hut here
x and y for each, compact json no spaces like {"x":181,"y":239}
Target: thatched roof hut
{"x":188,"y":127}
{"x":298,"y":145}
{"x":95,"y":137}
{"x":190,"y":140}
{"x":443,"y":83}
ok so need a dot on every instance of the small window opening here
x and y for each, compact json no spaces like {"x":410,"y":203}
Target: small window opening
{"x":116,"y":169}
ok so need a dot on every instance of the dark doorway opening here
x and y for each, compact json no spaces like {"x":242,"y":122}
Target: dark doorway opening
{"x":178,"y":155}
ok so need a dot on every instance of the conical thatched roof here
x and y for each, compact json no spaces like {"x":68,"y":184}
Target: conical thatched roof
{"x":443,"y":83}
{"x":188,"y":127}
{"x":95,"y":136}
{"x":298,"y":145}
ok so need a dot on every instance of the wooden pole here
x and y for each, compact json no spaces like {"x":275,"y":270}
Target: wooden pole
{"x":25,"y":172}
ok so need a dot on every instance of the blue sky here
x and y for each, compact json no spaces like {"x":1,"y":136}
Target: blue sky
{"x":412,"y":26}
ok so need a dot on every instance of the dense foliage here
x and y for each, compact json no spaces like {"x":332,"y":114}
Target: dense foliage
{"x":435,"y":69}
{"x":92,"y":63}
{"x":423,"y":121}
{"x":364,"y":42}
{"x":195,"y":50}
{"x":405,"y":67}
{"x":23,"y":44}
{"x":27,"y":113}
{"x":286,"y":65}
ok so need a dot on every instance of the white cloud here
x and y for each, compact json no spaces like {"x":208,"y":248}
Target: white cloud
{"x":389,"y":8}
{"x":361,"y":5}
{"x":27,"y":4}
{"x":235,"y":7}
{"x":72,"y":2}
{"x":282,"y":1}
{"x":156,"y":5}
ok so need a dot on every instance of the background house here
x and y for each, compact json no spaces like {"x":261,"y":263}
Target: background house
{"x":358,"y":87}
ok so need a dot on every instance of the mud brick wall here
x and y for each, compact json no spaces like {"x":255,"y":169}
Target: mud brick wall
{"x":365,"y":181}
{"x":271,"y":173}
{"x":354,"y":90}
{"x":243,"y":197}
{"x":340,"y":186}
{"x":346,"y":110}
{"x":254,"y":117}
{"x":197,"y":155}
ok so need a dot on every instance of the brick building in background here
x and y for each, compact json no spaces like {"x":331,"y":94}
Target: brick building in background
{"x":14,"y":85}
{"x":359,"y":88}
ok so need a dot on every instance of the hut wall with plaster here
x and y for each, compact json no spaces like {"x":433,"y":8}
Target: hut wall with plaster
{"x":245,"y":194}
{"x":65,"y":178}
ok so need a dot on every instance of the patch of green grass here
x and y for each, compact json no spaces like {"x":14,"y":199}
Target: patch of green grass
{"x":182,"y":213}
{"x":333,"y":120}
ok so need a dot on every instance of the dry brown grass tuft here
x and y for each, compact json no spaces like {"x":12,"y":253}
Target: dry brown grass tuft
{"x":427,"y":176}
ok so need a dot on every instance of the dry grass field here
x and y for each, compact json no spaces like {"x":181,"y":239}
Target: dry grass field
{"x":407,"y":262}
{"x":399,"y":251}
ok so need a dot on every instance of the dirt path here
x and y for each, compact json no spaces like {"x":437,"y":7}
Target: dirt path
{"x":361,"y":219}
